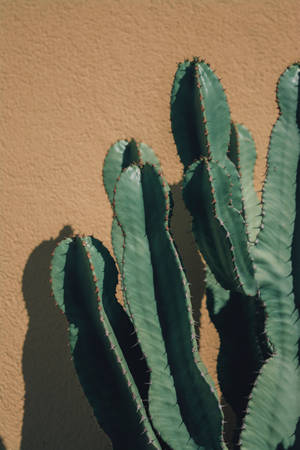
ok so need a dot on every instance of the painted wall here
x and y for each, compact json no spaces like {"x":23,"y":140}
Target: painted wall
{"x":76,"y":75}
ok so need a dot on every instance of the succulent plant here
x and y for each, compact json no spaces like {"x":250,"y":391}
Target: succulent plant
{"x":150,"y":345}
{"x":251,"y":247}
{"x":139,"y":363}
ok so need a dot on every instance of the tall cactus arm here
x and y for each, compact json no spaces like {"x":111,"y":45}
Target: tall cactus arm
{"x":119,"y":156}
{"x":219,"y":228}
{"x":196,"y":394}
{"x":200,"y":115}
{"x":275,"y":237}
{"x":234,"y":224}
{"x":243,"y":154}
{"x":209,"y":233}
{"x":184,"y":125}
{"x":141,"y":301}
{"x":274,"y":408}
{"x":80,"y":283}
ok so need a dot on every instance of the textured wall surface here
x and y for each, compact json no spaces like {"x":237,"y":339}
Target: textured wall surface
{"x":76,"y":75}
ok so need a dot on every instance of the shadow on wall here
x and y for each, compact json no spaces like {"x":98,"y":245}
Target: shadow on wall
{"x":2,"y":446}
{"x":56,"y":412}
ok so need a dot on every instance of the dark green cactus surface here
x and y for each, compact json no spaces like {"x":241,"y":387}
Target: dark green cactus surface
{"x":139,"y":363}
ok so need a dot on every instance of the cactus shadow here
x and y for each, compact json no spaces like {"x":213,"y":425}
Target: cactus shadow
{"x":56,"y":412}
{"x":2,"y":446}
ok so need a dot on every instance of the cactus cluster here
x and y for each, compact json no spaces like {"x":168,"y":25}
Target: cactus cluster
{"x":139,"y":363}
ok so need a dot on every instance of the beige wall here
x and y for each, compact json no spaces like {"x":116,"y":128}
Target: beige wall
{"x":76,"y":75}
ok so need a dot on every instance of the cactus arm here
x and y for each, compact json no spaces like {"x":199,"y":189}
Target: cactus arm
{"x":210,"y":234}
{"x":120,"y":155}
{"x":79,"y":285}
{"x":221,"y":235}
{"x":235,"y":226}
{"x":183,"y":122}
{"x":275,"y":237}
{"x":139,"y":290}
{"x":274,"y":408}
{"x":173,"y":299}
{"x":112,"y":168}
{"x":243,"y":154}
{"x":200,"y":115}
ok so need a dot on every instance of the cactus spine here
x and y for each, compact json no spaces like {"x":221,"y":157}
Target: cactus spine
{"x":139,"y":364}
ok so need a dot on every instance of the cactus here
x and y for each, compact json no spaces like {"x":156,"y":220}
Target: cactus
{"x":174,"y":382}
{"x":138,"y":363}
{"x":251,"y":248}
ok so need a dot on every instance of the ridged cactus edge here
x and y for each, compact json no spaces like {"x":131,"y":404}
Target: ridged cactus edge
{"x":139,"y":363}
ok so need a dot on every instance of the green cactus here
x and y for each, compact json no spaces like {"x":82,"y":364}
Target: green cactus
{"x":250,"y":249}
{"x":139,"y":363}
{"x":156,"y":297}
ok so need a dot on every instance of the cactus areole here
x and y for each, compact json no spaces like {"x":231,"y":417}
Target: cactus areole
{"x":139,"y":363}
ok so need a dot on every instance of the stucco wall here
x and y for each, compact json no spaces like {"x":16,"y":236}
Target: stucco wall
{"x":76,"y":75}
